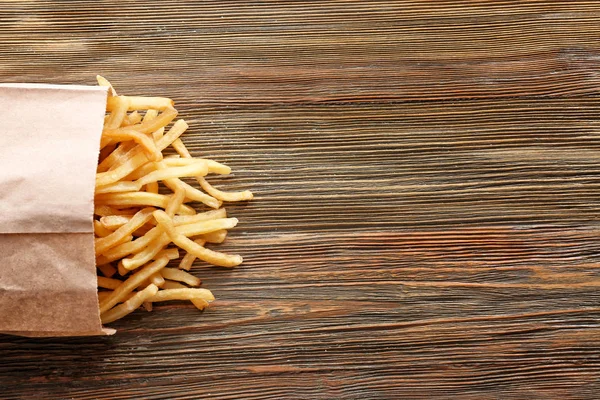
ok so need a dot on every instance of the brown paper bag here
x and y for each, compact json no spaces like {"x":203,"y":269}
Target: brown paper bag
{"x":49,"y":148}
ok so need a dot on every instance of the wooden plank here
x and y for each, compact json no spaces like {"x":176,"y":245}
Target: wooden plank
{"x":426,"y":213}
{"x":257,"y":52}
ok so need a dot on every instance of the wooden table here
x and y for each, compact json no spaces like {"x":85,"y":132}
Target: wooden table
{"x":427,"y":180}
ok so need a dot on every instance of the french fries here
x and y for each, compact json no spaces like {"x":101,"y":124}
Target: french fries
{"x":139,"y":226}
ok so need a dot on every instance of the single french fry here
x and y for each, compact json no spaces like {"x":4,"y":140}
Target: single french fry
{"x":118,"y":187}
{"x":120,"y":105}
{"x":102,"y":295}
{"x":182,"y":294}
{"x":102,"y":81}
{"x":213,"y":166}
{"x":171,"y":254}
{"x":129,"y":306}
{"x":180,"y":148}
{"x":224,"y":196}
{"x":120,"y":200}
{"x":142,"y":103}
{"x":114,"y":222}
{"x":108,"y":283}
{"x":203,"y":227}
{"x":175,"y":274}
{"x":205,"y":216}
{"x":121,"y":269}
{"x":200,"y":304}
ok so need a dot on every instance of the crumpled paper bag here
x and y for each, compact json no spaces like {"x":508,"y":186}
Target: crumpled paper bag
{"x":49,"y":146}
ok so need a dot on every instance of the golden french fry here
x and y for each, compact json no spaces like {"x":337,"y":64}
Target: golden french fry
{"x":178,"y":275}
{"x":102,"y":81}
{"x":120,"y":200}
{"x":120,"y":105}
{"x":182,"y":294}
{"x":200,"y":228}
{"x":224,"y":196}
{"x":108,"y":283}
{"x":141,"y":103}
{"x":205,"y":216}
{"x":213,"y":166}
{"x":103,"y":295}
{"x":114,"y":222}
{"x":200,"y":304}
{"x":171,"y":254}
{"x":181,"y":149}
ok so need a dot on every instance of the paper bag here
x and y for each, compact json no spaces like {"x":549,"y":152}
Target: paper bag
{"x":49,"y":145}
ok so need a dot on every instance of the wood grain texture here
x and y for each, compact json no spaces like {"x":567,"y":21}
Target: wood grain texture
{"x":426,"y":214}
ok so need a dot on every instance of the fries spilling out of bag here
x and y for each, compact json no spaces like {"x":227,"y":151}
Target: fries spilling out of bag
{"x":143,"y":214}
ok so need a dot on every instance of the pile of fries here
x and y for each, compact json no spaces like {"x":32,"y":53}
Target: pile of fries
{"x":139,"y":229}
